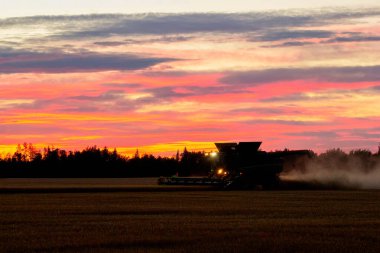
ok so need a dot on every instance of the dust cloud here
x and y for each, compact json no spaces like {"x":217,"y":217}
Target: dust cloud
{"x":359,"y":169}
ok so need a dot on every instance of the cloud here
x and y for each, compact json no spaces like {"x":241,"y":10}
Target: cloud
{"x":296,"y":97}
{"x":335,"y":38}
{"x":354,"y":38}
{"x":109,"y":43}
{"x":266,"y":110}
{"x":325,"y":95}
{"x":8,"y":53}
{"x":22,"y":129}
{"x":316,"y":134}
{"x":107,"y":96}
{"x":61,"y":20}
{"x":293,"y":34}
{"x":107,"y":25}
{"x":370,"y":133}
{"x":292,"y":44}
{"x":170,"y":24}
{"x":121,"y":100}
{"x":326,"y":74}
{"x":21,"y":61}
{"x":169,"y":92}
{"x":9,"y":44}
{"x":367,"y":133}
{"x":131,"y":99}
{"x":283,"y":122}
{"x":15,"y":103}
{"x":163,"y":93}
{"x":81,"y":109}
{"x":123,"y":85}
{"x":112,"y":100}
{"x":159,"y":39}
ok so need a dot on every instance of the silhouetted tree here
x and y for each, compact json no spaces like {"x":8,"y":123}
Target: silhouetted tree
{"x":137,"y":155}
{"x":27,"y":161}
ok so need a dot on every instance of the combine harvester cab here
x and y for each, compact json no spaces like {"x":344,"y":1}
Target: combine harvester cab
{"x":241,"y":166}
{"x":248,"y":167}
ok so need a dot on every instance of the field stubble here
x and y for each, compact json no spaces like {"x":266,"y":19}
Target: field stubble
{"x":190,"y":221}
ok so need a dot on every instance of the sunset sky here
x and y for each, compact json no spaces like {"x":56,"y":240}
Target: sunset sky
{"x":159,"y":75}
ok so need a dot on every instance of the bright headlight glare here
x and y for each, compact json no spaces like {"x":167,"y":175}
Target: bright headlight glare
{"x":213,"y":154}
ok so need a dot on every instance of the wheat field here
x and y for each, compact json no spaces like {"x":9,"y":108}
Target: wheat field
{"x":155,"y":219}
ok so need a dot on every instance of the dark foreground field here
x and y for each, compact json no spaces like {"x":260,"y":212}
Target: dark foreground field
{"x":160,"y":220}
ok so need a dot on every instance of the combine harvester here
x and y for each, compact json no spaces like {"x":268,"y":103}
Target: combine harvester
{"x":242,"y":165}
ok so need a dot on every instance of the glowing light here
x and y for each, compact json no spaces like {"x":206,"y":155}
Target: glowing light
{"x":213,"y":154}
{"x":220,"y":172}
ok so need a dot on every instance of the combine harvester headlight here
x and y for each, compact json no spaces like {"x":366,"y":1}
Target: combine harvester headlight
{"x":221,"y":172}
{"x":213,"y":154}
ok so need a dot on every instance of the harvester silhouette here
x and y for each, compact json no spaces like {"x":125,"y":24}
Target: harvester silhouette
{"x":242,"y":165}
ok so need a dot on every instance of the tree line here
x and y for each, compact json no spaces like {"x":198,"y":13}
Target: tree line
{"x":51,"y":162}
{"x":27,"y":161}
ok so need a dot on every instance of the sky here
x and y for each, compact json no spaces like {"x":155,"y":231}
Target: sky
{"x":162,"y":75}
{"x":19,"y":8}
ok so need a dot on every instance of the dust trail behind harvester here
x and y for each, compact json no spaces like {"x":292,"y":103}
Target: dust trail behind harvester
{"x":335,"y":169}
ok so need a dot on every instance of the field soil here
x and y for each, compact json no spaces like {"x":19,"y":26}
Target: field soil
{"x":36,"y":217}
